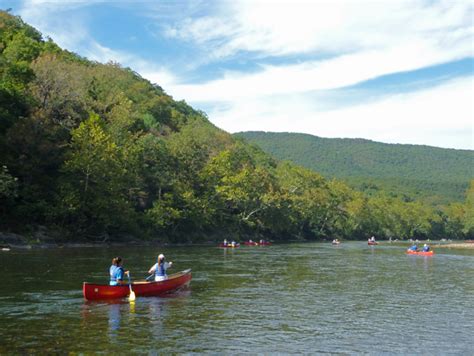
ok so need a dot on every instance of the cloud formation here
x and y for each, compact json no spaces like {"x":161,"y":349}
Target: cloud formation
{"x":295,"y":27}
{"x":440,"y":116}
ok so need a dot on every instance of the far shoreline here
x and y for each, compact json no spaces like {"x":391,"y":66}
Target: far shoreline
{"x":11,"y":241}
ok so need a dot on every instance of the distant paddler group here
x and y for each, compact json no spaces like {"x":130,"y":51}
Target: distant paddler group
{"x":234,"y":244}
{"x":425,"y":251}
{"x":371,"y":241}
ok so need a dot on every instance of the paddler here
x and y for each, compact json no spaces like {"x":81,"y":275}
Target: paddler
{"x":117,"y":272}
{"x":160,"y":267}
{"x":413,"y":248}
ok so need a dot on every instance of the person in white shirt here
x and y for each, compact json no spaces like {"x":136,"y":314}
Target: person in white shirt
{"x":160,"y":267}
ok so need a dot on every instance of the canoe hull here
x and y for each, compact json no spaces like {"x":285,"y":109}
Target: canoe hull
{"x":372,"y":243}
{"x":142,"y":289}
{"x":420,"y":253}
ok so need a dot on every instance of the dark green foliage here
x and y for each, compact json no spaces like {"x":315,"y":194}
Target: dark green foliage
{"x":435,"y":175}
{"x":94,"y":150}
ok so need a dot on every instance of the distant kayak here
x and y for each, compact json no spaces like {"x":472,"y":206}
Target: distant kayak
{"x":229,"y":245}
{"x":175,"y":281}
{"x":336,"y":243}
{"x":421,"y":253}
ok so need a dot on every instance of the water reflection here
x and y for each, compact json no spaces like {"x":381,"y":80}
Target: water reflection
{"x":120,"y":320}
{"x":114,"y":320}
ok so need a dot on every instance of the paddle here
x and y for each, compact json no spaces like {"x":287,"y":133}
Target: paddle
{"x":131,"y":297}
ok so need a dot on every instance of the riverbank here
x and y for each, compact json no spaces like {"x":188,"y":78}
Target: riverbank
{"x":463,"y":245}
{"x":468,"y":244}
{"x":42,"y":238}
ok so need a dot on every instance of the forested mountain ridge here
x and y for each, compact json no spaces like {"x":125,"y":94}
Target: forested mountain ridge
{"x":431,"y":173}
{"x":94,"y":151}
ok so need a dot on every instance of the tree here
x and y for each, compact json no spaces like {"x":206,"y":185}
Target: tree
{"x":95,"y":188}
{"x":469,"y":209}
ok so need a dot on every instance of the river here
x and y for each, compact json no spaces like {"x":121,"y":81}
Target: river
{"x":302,"y":298}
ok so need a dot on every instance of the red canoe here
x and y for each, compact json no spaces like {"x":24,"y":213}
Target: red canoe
{"x":372,"y":243}
{"x":421,"y":253}
{"x":141,"y":288}
{"x":248,"y":243}
{"x":264,"y":243}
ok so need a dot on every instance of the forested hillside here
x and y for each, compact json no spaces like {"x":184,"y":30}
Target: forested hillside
{"x":433,"y":174}
{"x":94,"y":151}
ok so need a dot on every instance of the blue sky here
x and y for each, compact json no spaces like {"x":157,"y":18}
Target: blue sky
{"x":393,"y":71}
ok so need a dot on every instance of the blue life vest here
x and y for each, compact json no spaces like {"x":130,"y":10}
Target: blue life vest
{"x":413,"y":248}
{"x":116,"y":274}
{"x":160,"y":270}
{"x":426,"y":249}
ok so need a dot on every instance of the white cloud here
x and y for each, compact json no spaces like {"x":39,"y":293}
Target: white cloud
{"x":327,"y":74}
{"x":339,"y":44}
{"x":288,"y":27}
{"x":442,"y":116}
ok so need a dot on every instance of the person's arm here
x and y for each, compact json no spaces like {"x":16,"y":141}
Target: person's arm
{"x":120,"y":274}
{"x":168,"y":265}
{"x":153,"y":268}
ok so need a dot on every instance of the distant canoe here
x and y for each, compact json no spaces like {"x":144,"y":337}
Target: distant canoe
{"x":250,"y":243}
{"x":372,"y":243}
{"x":421,"y":253}
{"x":175,"y":281}
{"x":229,"y":245}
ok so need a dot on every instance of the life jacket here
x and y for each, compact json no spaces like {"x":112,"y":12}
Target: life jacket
{"x":116,"y":274}
{"x":160,"y":270}
{"x":426,"y":249}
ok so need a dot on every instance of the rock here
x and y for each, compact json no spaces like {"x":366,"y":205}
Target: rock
{"x":8,"y":239}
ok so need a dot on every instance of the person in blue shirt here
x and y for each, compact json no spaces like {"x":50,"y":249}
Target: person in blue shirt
{"x":426,"y":248}
{"x":159,"y":268}
{"x":413,"y":248}
{"x":117,"y":272}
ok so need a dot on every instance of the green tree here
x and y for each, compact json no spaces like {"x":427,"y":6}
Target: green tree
{"x":469,"y":212}
{"x":95,"y":188}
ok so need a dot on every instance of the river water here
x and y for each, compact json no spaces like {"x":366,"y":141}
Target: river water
{"x":305,"y":298}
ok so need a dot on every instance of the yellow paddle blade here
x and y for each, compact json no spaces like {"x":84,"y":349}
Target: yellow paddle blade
{"x":131,"y":297}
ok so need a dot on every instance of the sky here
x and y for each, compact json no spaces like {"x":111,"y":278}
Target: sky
{"x":388,"y":71}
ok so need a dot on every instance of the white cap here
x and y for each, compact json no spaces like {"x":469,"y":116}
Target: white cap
{"x":160,"y":256}
{"x":425,"y":245}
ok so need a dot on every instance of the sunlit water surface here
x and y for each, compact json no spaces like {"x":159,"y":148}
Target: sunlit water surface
{"x":298,"y":298}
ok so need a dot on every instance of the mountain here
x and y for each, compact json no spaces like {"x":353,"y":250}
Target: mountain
{"x":433,"y":174}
